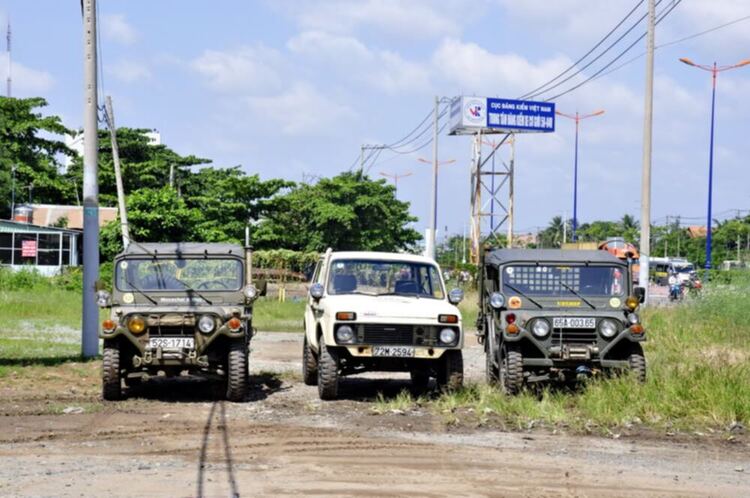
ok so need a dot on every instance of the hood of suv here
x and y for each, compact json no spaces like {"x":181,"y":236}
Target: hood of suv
{"x":390,"y":307}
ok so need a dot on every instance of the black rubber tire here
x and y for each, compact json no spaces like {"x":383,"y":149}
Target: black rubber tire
{"x":328,"y":373}
{"x":511,"y":369}
{"x":419,"y":380}
{"x":451,"y":372}
{"x":237,"y":374}
{"x":111,"y":374}
{"x":637,"y":363}
{"x":309,"y":364}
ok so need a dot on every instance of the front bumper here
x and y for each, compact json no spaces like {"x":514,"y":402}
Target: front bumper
{"x":420,"y":352}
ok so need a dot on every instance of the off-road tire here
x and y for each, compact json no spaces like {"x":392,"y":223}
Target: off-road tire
{"x":419,"y":380}
{"x":511,"y":369}
{"x":309,"y":364}
{"x":111,"y":374}
{"x":328,"y":373}
{"x":237,"y":375}
{"x":451,"y":372}
{"x":637,"y":363}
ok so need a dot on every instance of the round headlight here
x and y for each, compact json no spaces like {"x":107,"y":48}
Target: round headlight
{"x":344,"y":334}
{"x":206,"y":324}
{"x":633,"y":318}
{"x":540,"y":328}
{"x":136,"y":324}
{"x":447,"y":336}
{"x":497,"y":300}
{"x":103,"y":298}
{"x":250,"y":291}
{"x":607,"y":328}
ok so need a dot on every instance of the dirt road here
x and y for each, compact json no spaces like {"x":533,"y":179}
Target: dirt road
{"x":174,"y":440}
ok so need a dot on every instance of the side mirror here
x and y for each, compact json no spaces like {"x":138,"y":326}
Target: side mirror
{"x":455,"y":296}
{"x":640,"y":293}
{"x":103,"y":299}
{"x":316,"y":291}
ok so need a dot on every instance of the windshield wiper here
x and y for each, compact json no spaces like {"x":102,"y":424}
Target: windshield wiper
{"x":357,"y":292}
{"x":577,"y":294}
{"x":139,"y":291}
{"x":190,"y":289}
{"x":522,"y":294}
{"x":415,"y":294}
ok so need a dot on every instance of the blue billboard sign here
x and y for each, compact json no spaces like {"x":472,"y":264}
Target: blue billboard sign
{"x":521,"y":115}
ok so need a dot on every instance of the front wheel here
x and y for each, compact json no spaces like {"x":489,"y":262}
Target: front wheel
{"x":511,"y":369}
{"x":637,"y":363}
{"x":111,"y":374}
{"x":309,"y":364}
{"x":420,"y":380}
{"x":328,"y":373}
{"x":237,"y":375}
{"x":451,"y":373}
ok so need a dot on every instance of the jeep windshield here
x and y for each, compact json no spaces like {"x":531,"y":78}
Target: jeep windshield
{"x":565,"y":280}
{"x":383,"y":277}
{"x":179,"y":274}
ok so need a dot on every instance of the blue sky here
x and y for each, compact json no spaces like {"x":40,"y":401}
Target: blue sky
{"x":287,"y":88}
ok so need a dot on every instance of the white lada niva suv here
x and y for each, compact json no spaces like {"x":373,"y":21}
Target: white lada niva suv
{"x":376,"y":311}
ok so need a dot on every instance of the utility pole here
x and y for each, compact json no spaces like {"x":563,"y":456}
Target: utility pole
{"x":90,"y":339}
{"x":361,"y":159}
{"x":13,"y":193}
{"x":645,"y":248}
{"x":118,"y":174}
{"x":430,"y":246}
{"x":510,"y":186}
{"x":7,"y":82}
{"x":565,"y":227}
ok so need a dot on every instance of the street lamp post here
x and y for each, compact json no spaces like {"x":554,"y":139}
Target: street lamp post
{"x":436,"y":166}
{"x":395,"y":177}
{"x":577,"y":118}
{"x":714,"y":70}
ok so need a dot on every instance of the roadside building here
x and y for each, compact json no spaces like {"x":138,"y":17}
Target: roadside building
{"x":45,"y":249}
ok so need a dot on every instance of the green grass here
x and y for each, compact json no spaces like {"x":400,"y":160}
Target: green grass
{"x":270,"y":315}
{"x":698,"y":358}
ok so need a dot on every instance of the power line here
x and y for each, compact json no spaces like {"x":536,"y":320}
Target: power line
{"x":579,"y":85}
{"x":599,"y":43}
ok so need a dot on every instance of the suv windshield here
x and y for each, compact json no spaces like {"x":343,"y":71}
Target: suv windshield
{"x":179,"y":274}
{"x":684,"y":268}
{"x":376,"y":277}
{"x":558,"y":280}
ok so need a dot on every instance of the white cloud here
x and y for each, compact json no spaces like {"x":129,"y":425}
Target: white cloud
{"x":415,"y":18}
{"x":26,"y":81}
{"x":129,"y":71}
{"x":301,"y":110}
{"x":351,"y":59}
{"x":245,"y":69}
{"x":116,"y":28}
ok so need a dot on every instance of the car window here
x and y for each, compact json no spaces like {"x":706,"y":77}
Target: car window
{"x":384,"y":277}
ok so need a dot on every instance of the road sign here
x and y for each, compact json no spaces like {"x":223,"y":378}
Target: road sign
{"x":28,"y":249}
{"x":470,"y":115}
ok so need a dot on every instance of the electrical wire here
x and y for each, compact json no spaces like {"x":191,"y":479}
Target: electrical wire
{"x":660,"y":18}
{"x":610,"y":47}
{"x":575,"y":64}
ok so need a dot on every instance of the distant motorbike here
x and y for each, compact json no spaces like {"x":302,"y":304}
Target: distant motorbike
{"x":676,"y":288}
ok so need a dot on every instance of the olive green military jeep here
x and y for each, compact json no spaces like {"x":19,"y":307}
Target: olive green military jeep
{"x":558,"y":315}
{"x":178,"y":308}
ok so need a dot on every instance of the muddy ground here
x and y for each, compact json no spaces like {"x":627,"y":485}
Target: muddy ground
{"x":173,"y":439}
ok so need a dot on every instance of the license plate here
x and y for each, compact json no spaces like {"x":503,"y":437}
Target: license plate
{"x":393,"y":351}
{"x":572,"y":322}
{"x":171,"y":342}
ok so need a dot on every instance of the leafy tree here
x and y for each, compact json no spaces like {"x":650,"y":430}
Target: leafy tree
{"x":27,"y":143}
{"x":349,"y":211}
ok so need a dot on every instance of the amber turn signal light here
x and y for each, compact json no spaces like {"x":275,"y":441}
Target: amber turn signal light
{"x":346,"y":316}
{"x":108,"y":325}
{"x":636,"y":329}
{"x":448,"y":318}
{"x":512,"y":328}
{"x":234,"y":324}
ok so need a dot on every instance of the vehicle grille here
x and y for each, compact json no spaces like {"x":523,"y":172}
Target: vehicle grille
{"x":573,"y":336}
{"x":391,"y":334}
{"x":171,"y":324}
